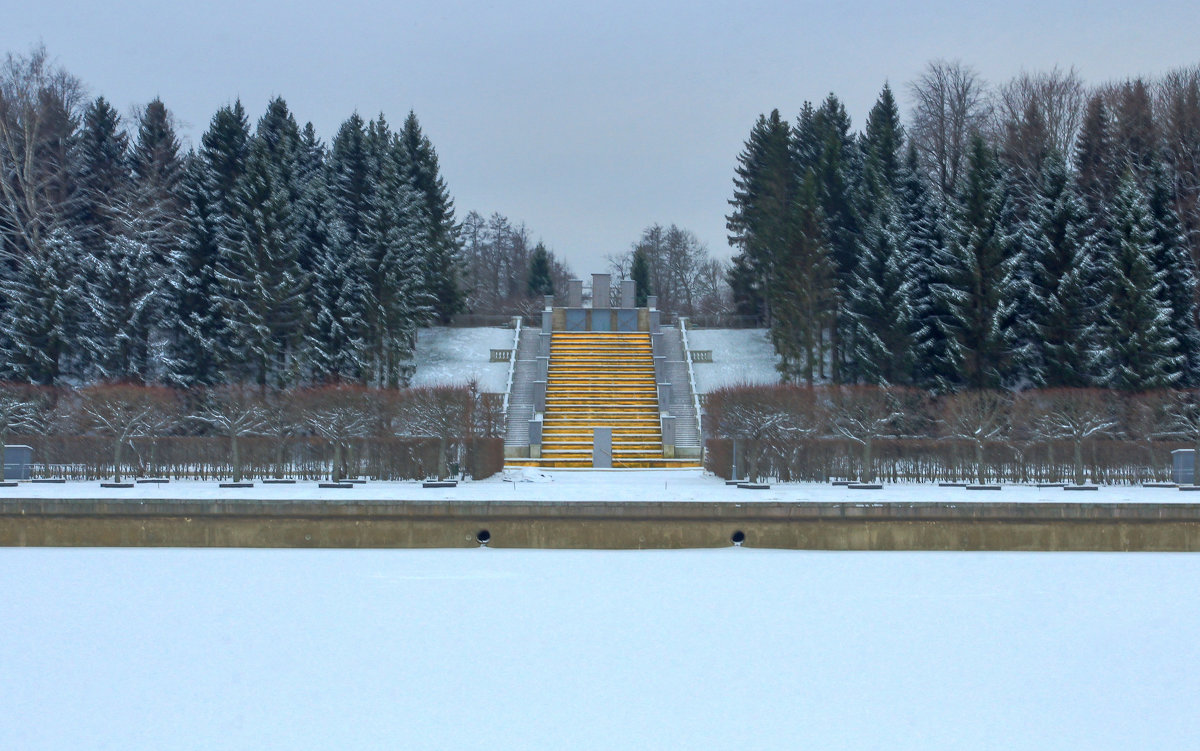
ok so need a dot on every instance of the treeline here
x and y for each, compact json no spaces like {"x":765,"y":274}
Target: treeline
{"x":814,"y":433}
{"x":263,"y":256}
{"x":506,"y":271}
{"x":672,"y":264}
{"x":238,"y":431}
{"x":1035,"y":234}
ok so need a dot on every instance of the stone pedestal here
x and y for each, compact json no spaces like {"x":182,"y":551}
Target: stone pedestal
{"x":600,"y":294}
{"x":575,"y":293}
{"x":602,"y":448}
{"x":628,"y":293}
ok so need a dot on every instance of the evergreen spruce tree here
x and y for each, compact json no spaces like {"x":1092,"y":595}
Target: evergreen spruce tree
{"x":1062,"y":311}
{"x":838,"y":172}
{"x":102,"y":149}
{"x":880,"y":311}
{"x":923,"y":240}
{"x":1139,"y":352}
{"x":350,"y":176}
{"x":802,"y":289}
{"x":540,"y":281}
{"x":155,"y":159}
{"x":979,"y":283}
{"x":336,"y":346}
{"x":337,"y":295}
{"x":124,"y":303}
{"x":883,"y":146}
{"x":312,"y":182}
{"x":441,"y":260}
{"x":1096,"y":163}
{"x":262,"y":288}
{"x":879,"y":294}
{"x":764,"y":191}
{"x":41,"y":318}
{"x":395,"y":226}
{"x":198,"y":341}
{"x":639,"y":272}
{"x":1174,"y":266}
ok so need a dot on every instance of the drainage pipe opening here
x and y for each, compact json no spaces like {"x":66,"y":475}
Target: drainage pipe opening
{"x":483,"y":536}
{"x":738,"y":537}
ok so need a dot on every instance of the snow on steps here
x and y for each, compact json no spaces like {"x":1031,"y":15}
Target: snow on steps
{"x":520,"y":401}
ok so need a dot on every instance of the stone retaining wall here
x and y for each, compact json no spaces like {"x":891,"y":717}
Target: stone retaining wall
{"x":425,"y":524}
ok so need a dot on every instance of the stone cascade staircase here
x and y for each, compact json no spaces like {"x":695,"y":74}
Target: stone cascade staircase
{"x":520,"y":399}
{"x":601,"y":379}
{"x":683,"y":403}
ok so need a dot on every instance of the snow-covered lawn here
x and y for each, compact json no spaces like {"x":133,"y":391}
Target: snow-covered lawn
{"x":508,"y":649}
{"x":601,"y":485}
{"x":451,"y":356}
{"x":739,"y":356}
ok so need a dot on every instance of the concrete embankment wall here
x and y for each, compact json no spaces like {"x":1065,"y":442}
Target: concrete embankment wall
{"x":417,"y":524}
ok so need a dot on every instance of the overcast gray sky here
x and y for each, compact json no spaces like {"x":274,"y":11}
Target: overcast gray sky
{"x":587,"y":123}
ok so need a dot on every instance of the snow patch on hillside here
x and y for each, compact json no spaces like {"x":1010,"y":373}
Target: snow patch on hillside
{"x":739,"y":356}
{"x":453,"y":356}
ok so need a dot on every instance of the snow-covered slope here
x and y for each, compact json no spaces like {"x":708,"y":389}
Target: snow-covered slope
{"x":739,"y":356}
{"x":142,"y":650}
{"x":449,"y":356}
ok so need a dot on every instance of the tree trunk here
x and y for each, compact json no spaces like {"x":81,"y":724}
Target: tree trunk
{"x":117,"y":460}
{"x":979,"y":461}
{"x":237,"y":458}
{"x":335,"y":472}
{"x":279,"y":445}
{"x":868,"y":472}
{"x":441,"y":465}
{"x":1078,"y":461}
{"x":3,"y":441}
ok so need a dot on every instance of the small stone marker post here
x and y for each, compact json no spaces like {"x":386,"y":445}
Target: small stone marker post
{"x":602,"y":448}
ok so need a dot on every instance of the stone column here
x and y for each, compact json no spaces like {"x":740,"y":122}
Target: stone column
{"x":628,"y":293}
{"x":575,"y":293}
{"x":535,"y":438}
{"x":668,"y":436}
{"x":602,"y":457}
{"x":600,"y":295}
{"x":539,"y":396}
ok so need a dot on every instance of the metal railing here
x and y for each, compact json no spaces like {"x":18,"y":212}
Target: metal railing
{"x":683,"y":324}
{"x":512,"y":365}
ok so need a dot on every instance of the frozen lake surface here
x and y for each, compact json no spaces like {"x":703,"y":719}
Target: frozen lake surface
{"x":524,"y":649}
{"x":601,"y":485}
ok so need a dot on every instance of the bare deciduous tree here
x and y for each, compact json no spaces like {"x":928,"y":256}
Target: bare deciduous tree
{"x":979,"y":417}
{"x":1184,"y":414}
{"x":1075,"y":415}
{"x":1036,"y":112}
{"x":234,"y":411}
{"x":19,"y":406}
{"x":39,"y":111}
{"x":950,"y":104}
{"x":1178,"y":112}
{"x":441,"y":413}
{"x":338,"y":414}
{"x":122,"y":412}
{"x":864,"y":414}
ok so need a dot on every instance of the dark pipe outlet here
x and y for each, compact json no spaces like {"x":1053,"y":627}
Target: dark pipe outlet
{"x":738,"y":537}
{"x":482,"y":537}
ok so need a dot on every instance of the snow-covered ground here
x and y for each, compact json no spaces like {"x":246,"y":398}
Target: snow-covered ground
{"x":739,"y":356}
{"x":506,"y":649}
{"x":604,"y":485}
{"x":449,"y":356}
